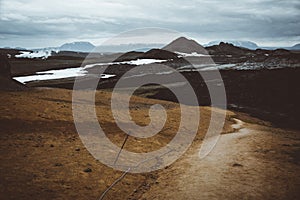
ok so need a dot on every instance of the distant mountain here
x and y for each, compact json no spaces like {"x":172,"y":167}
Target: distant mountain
{"x":295,"y":47}
{"x":68,"y":49}
{"x":73,"y":46}
{"x":87,"y":47}
{"x":77,"y":47}
{"x":184,"y":45}
{"x":238,"y":43}
{"x":16,"y":48}
{"x":127,"y":47}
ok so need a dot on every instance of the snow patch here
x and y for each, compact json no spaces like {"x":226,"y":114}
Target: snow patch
{"x":143,"y":61}
{"x":238,"y":124}
{"x":35,"y":54}
{"x":193,"y":54}
{"x":58,"y":74}
{"x":131,"y":62}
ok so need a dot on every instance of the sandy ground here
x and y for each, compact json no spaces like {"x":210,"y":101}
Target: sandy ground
{"x":42,"y":156}
{"x":255,"y":162}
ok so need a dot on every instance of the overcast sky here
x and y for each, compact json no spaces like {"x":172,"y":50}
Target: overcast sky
{"x":41,"y":23}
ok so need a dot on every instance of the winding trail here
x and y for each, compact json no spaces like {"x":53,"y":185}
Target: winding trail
{"x":255,"y":162}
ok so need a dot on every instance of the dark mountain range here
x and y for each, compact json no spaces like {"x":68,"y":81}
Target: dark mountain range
{"x":227,"y":49}
{"x":226,"y":53}
{"x":250,"y":45}
{"x":238,"y":43}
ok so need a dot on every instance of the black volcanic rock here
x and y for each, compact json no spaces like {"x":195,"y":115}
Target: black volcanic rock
{"x":9,"y":52}
{"x":278,"y":52}
{"x":4,"y":67}
{"x":185,"y":45}
{"x":262,"y":51}
{"x":6,"y":81}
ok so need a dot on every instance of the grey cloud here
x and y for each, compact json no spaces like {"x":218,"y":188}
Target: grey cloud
{"x":35,"y":22}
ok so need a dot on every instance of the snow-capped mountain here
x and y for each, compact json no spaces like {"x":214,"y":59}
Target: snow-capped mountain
{"x":77,"y":47}
{"x":127,"y":47}
{"x":88,"y":47}
{"x":48,"y":51}
{"x":73,"y":46}
{"x":295,"y":47}
{"x":238,"y":43}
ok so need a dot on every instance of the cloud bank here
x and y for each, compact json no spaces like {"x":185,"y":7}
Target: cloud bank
{"x":38,"y":23}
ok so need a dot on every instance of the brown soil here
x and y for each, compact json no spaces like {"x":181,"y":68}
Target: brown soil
{"x":42,"y":156}
{"x":256,"y":162}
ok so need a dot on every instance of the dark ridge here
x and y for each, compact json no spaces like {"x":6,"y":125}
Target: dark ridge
{"x":6,"y":81}
{"x":227,"y":48}
{"x":151,"y":54}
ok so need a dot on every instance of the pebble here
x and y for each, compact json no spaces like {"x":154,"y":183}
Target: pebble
{"x":88,"y":170}
{"x":237,"y":165}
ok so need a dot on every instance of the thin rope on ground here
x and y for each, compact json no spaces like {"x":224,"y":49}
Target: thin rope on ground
{"x":127,"y":171}
{"x":116,"y":160}
{"x":114,"y":183}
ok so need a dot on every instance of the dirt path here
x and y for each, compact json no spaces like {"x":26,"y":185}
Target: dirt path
{"x":255,"y":162}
